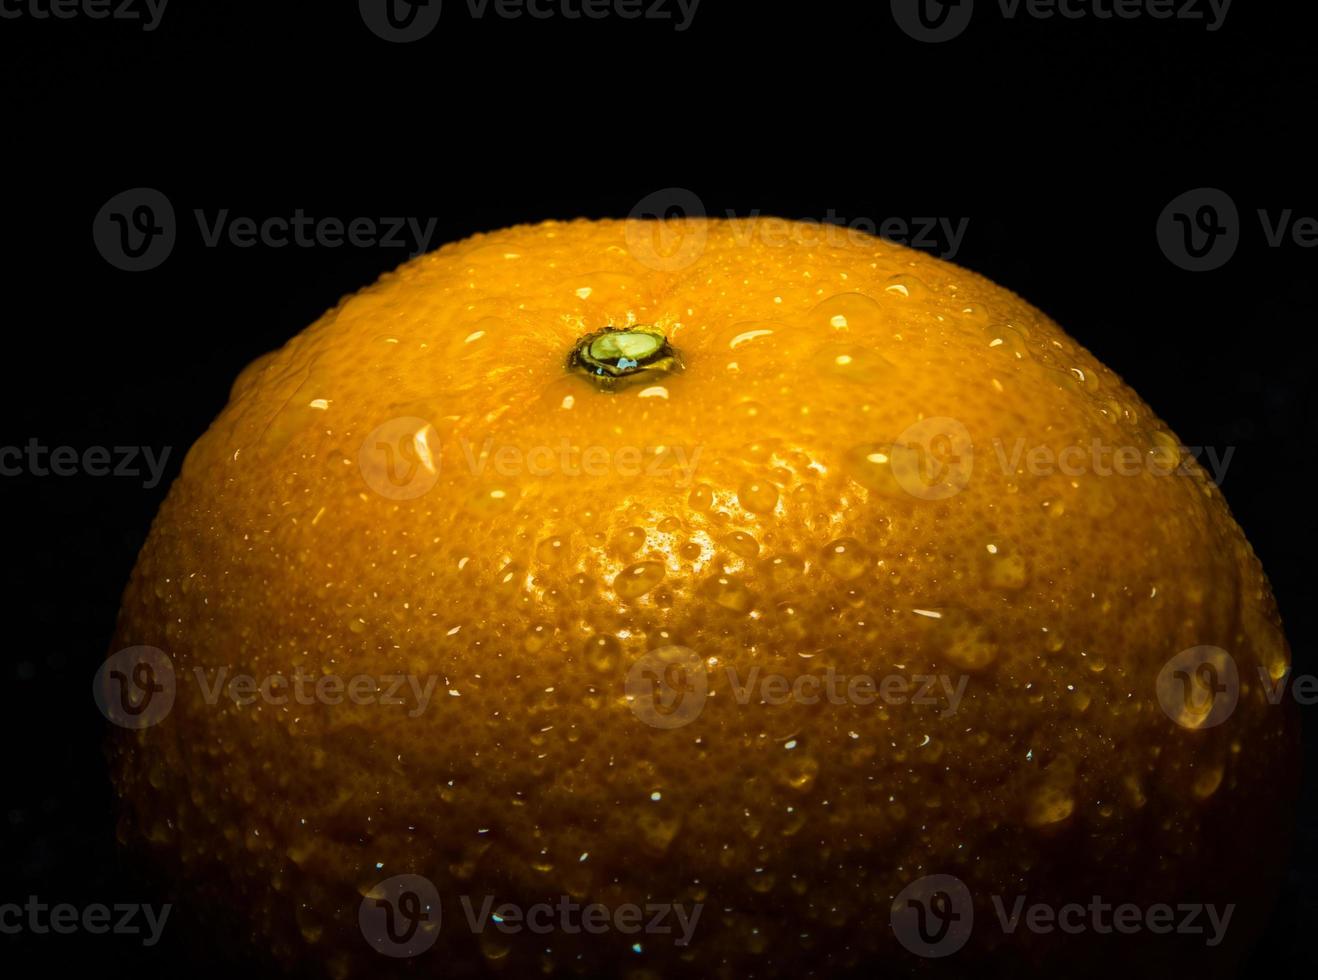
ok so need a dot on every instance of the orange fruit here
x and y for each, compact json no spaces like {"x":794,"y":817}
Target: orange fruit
{"x":765,"y":574}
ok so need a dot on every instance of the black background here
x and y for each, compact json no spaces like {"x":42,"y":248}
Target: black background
{"x":1060,"y":141}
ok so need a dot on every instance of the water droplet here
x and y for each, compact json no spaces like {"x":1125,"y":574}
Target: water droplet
{"x":741,"y":543}
{"x":601,"y":652}
{"x":489,"y":501}
{"x":1005,"y":567}
{"x":958,"y":635}
{"x":553,"y":551}
{"x":728,"y":592}
{"x":783,"y":569}
{"x":798,"y":771}
{"x":494,"y":946}
{"x":851,"y":362}
{"x":1049,"y":804}
{"x":1207,"y":780}
{"x":905,"y":286}
{"x":850,"y":312}
{"x":636,"y":580}
{"x":1269,"y":643}
{"x":536,"y":638}
{"x":701,"y":497}
{"x":1053,"y":798}
{"x":629,"y":541}
{"x":657,"y":830}
{"x":758,"y":496}
{"x":845,"y":559}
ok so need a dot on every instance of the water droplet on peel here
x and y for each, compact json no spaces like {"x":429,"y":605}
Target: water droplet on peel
{"x":851,"y":362}
{"x":783,"y":569}
{"x":741,"y":543}
{"x":874,"y":465}
{"x":657,"y":830}
{"x":494,"y":946}
{"x":960,"y":637}
{"x":1053,"y":798}
{"x":845,"y":559}
{"x":905,"y":286}
{"x":1049,"y":804}
{"x":1005,"y":567}
{"x":630,"y":540}
{"x":489,"y":501}
{"x":798,"y":771}
{"x":554,"y":550}
{"x":1268,"y":642}
{"x":853,"y":313}
{"x":537,"y":636}
{"x":1165,"y":452}
{"x":728,"y":592}
{"x":758,"y":496}
{"x":602,"y":651}
{"x":636,"y":580}
{"x":1207,"y":781}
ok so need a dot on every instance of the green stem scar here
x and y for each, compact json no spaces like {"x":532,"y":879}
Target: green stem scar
{"x":615,"y":356}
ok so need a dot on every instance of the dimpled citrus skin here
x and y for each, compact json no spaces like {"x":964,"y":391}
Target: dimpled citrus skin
{"x":769,"y":533}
